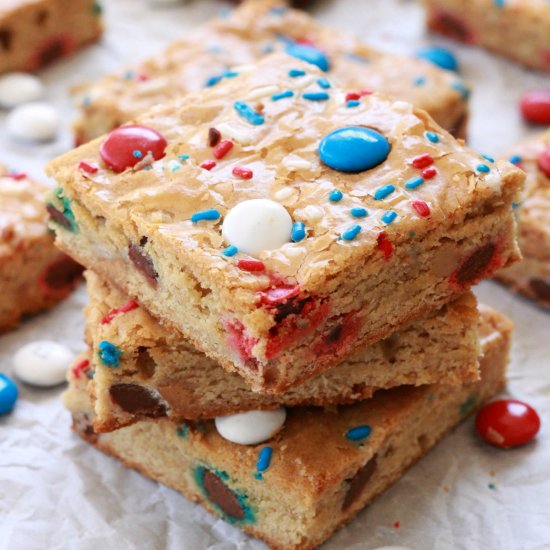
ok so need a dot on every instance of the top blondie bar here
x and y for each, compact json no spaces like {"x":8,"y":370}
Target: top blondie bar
{"x":204,"y":56}
{"x":370,"y":216}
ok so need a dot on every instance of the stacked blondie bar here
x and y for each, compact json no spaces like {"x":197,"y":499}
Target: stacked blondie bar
{"x":280,"y":320}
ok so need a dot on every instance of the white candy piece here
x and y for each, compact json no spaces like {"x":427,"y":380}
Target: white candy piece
{"x":19,"y":88}
{"x":33,"y":122}
{"x":42,"y":363}
{"x":257,"y":225}
{"x":252,"y":427}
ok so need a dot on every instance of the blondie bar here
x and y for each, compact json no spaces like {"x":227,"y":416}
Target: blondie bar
{"x":34,"y":33}
{"x":320,"y":470}
{"x":322,"y":226}
{"x":160,"y":374}
{"x":517,"y":29}
{"x":531,"y":276}
{"x":34,"y":275}
{"x":258,"y":27}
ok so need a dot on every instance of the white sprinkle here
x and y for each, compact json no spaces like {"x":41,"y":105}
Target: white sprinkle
{"x":312,"y":212}
{"x":243,"y":68}
{"x":401,"y":107}
{"x":240,"y":136}
{"x":304,"y":81}
{"x":294,"y":251}
{"x":294,"y":162}
{"x":262,"y":92}
{"x":284,"y":193}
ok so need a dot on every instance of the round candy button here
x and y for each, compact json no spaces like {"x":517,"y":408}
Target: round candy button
{"x":19,"y":88}
{"x":309,"y":54}
{"x":33,"y":122}
{"x":42,"y":363}
{"x":507,"y":423}
{"x":354,"y":149}
{"x":256,"y":225}
{"x":535,"y":106}
{"x":544,"y":161}
{"x":439,"y":56}
{"x":126,"y":146}
{"x":252,"y":427}
{"x":8,"y":394}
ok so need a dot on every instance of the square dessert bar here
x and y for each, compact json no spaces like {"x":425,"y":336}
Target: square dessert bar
{"x":157,"y":373}
{"x":34,"y":274}
{"x":531,"y":276}
{"x":258,"y":27}
{"x":280,"y":226}
{"x":320,"y":470}
{"x":517,"y":29}
{"x":34,"y":33}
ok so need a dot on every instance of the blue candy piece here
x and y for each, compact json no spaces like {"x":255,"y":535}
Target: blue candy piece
{"x":8,"y":394}
{"x":309,"y":54}
{"x":439,"y":56}
{"x":353,"y":149}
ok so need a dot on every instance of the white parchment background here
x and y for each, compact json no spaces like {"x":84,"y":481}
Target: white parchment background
{"x":58,"y":493}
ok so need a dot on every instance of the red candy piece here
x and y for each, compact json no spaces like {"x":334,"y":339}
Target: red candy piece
{"x":88,"y":167}
{"x":223,"y":148}
{"x":384,"y":245}
{"x":421,"y":208}
{"x":428,"y":173}
{"x":535,"y":106}
{"x":126,"y":146}
{"x":125,"y":308}
{"x":208,"y":164}
{"x":421,"y":161}
{"x":544,"y":161}
{"x":507,"y":423}
{"x":251,"y":265}
{"x":278,"y":295}
{"x":242,"y":172}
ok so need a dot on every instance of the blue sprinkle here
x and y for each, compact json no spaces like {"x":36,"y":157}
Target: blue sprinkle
{"x":516,"y":205}
{"x":298,"y":232}
{"x":175,"y":166}
{"x":316,"y":96}
{"x":483,"y":168}
{"x":231,"y":74}
{"x":128,"y":75}
{"x":230,"y":251}
{"x":248,"y":113}
{"x":335,"y":195}
{"x":415,"y":182}
{"x":323,"y":83}
{"x":389,"y":216}
{"x":358,"y":58}
{"x":268,"y":48}
{"x":148,"y":167}
{"x":499,"y":3}
{"x":383,"y":192}
{"x":264,"y":459}
{"x":419,"y":81}
{"x":490,"y":159}
{"x":213,"y":80}
{"x":462,"y":89}
{"x":432,"y":136}
{"x":358,"y":433}
{"x":358,"y":212}
{"x":353,"y":149}
{"x":309,"y":54}
{"x":214,"y":48}
{"x":439,"y":56}
{"x":211,"y":214}
{"x":515,"y":159}
{"x":282,"y":95}
{"x":278,"y":10}
{"x":86,"y":101}
{"x":8,"y":394}
{"x":182,"y":431}
{"x":492,"y":486}
{"x":295,"y":73}
{"x":137,"y":154}
{"x":109,"y":354}
{"x":353,"y":103}
{"x":351,"y":233}
{"x":183,"y":157}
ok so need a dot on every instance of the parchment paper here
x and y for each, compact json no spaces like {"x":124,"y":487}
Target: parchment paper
{"x":58,"y":493}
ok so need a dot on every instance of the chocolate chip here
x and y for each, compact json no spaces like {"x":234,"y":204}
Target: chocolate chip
{"x":143,"y":263}
{"x":453,"y":27}
{"x":541,"y":289}
{"x":137,"y":400}
{"x":6,"y":38}
{"x":62,"y":273}
{"x":221,"y":495}
{"x":334,"y":335}
{"x":290,"y":307}
{"x":58,"y":217}
{"x":214,"y":137}
{"x":475,"y":265}
{"x":358,"y":482}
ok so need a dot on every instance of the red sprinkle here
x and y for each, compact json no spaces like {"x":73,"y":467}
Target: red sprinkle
{"x":142,"y":77}
{"x":428,"y":173}
{"x":80,"y":368}
{"x":18,"y":176}
{"x":242,"y":172}
{"x":384,"y":245}
{"x":365,"y":92}
{"x":208,"y":164}
{"x":507,"y":423}
{"x":128,"y":306}
{"x":223,"y":148}
{"x":306,"y":41}
{"x":351,"y":96}
{"x":278,"y":295}
{"x":544,"y":161}
{"x":88,"y":167}
{"x":421,"y":161}
{"x":397,"y":524}
{"x":535,"y":106}
{"x":421,"y":208}
{"x":251,"y":264}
